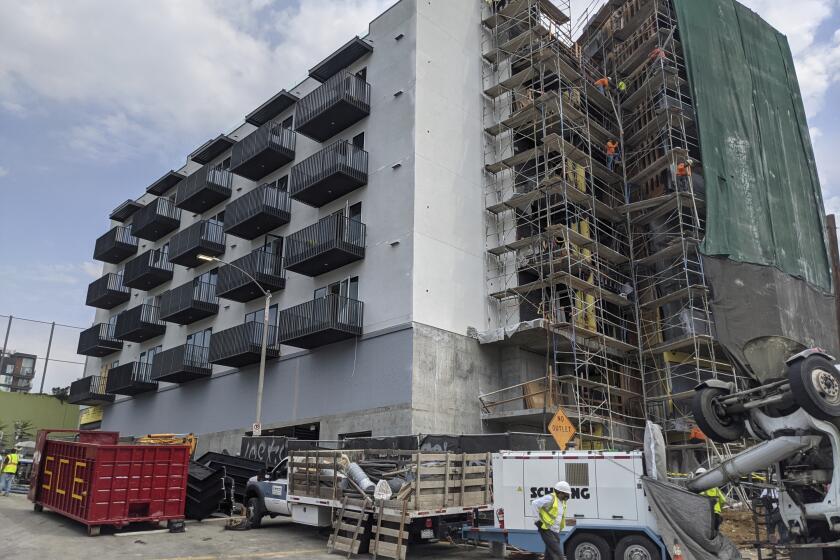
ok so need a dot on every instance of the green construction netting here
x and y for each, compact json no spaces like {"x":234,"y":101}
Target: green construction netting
{"x":764,"y":203}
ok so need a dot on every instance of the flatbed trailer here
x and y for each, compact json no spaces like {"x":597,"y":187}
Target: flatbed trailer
{"x":437,"y":494}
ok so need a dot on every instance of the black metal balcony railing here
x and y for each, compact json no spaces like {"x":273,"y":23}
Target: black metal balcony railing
{"x":329,"y":174}
{"x":265,"y":267}
{"x":330,"y":243}
{"x":189,"y":302}
{"x":89,"y":391}
{"x":263,"y":209}
{"x":107,"y":292}
{"x":321,"y":321}
{"x":115,"y":246}
{"x":149,"y":270}
{"x":132,"y":378}
{"x":181,"y":364}
{"x":158,"y":218}
{"x":202,"y":238}
{"x":267,"y":149}
{"x":139,"y":323}
{"x":204,"y":189}
{"x":339,"y":102}
{"x":99,"y":341}
{"x":241,"y":345}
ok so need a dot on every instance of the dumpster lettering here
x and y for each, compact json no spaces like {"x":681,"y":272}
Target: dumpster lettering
{"x":75,"y":483}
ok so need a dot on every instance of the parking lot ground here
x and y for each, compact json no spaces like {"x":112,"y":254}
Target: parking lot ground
{"x":26,"y":534}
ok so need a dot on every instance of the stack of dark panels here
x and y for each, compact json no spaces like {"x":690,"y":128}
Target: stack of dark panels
{"x":237,"y":468}
{"x":205,"y":490}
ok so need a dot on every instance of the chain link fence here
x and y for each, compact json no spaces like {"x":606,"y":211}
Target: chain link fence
{"x":54,"y":344}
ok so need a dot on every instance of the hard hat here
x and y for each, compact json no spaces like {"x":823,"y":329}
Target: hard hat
{"x":689,"y":161}
{"x":563,"y":487}
{"x":699,"y":471}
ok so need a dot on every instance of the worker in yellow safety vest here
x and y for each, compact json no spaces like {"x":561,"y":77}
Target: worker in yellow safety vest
{"x":551,"y":513}
{"x":10,"y":466}
{"x":716,"y":495}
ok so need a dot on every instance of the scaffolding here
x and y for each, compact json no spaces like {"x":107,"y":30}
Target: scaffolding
{"x":592,"y":259}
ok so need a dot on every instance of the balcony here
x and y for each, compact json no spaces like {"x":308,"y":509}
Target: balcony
{"x":189,"y":302}
{"x":89,"y":391}
{"x":181,"y":364}
{"x":202,"y":238}
{"x":140,"y":323}
{"x":131,"y":379}
{"x":241,"y":345}
{"x":107,"y":292}
{"x":156,"y":219}
{"x":321,"y":321}
{"x":267,"y":149}
{"x":204,"y":189}
{"x":329,"y":174}
{"x":149,"y":270}
{"x":263,"y":209}
{"x":265,"y":267}
{"x":342,"y":100}
{"x":324,"y":246}
{"x":98,"y":341}
{"x":115,"y":246}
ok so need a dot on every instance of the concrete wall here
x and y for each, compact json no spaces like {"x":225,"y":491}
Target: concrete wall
{"x":449,"y":288}
{"x":450,"y":372}
{"x":44,"y":411}
{"x":345,"y":378}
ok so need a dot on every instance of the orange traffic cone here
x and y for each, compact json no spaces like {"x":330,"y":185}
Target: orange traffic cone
{"x":677,"y":554}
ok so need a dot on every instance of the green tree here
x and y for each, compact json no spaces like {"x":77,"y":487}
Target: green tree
{"x":23,"y":430}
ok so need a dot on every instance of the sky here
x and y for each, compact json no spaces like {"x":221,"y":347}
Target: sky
{"x":100,"y":98}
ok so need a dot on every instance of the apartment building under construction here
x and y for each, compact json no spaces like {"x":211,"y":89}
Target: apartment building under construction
{"x":596,"y":195}
{"x":476,"y":213}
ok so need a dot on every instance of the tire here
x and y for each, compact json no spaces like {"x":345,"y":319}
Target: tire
{"x":39,"y":508}
{"x":636,"y":547}
{"x":588,"y":546}
{"x":719,"y":429}
{"x":815,"y":384}
{"x":255,"y":512}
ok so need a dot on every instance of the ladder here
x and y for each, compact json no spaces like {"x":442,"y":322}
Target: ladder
{"x":347,"y":528}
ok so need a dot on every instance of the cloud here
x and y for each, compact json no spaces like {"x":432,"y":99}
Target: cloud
{"x":68,"y":274}
{"x":148,"y":75}
{"x":3,"y":171}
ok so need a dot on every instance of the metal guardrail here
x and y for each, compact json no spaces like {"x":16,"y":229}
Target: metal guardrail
{"x":271,"y":135}
{"x":329,"y":312}
{"x":90,"y":385}
{"x":160,"y":207}
{"x":335,"y":231}
{"x":344,"y":86}
{"x":261,"y":264}
{"x":268,"y":199}
{"x":180,"y":358}
{"x":110,"y":282}
{"x":242,"y":339}
{"x":114,"y":236}
{"x":194,"y":293}
{"x":195,"y":236}
{"x":339,"y":157}
{"x":212,"y":178}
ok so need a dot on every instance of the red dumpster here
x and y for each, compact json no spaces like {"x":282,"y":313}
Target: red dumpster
{"x":92,"y":478}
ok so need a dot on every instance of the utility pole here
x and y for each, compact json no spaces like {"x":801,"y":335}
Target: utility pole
{"x":5,"y":344}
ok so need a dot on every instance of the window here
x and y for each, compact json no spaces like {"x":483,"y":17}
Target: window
{"x":359,"y":140}
{"x":257,"y":316}
{"x":200,"y":338}
{"x":148,"y":356}
{"x":225,"y":164}
{"x":218,"y":219}
{"x":288,"y":123}
{"x":362,"y":73}
{"x":348,"y":435}
{"x":349,"y":288}
{"x":282,"y":183}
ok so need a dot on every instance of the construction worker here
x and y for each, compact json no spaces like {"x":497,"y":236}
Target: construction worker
{"x":716,"y":495}
{"x":622,"y":88}
{"x":657,"y":54}
{"x":603,"y":85}
{"x":550,"y":511}
{"x":684,"y":175}
{"x":612,"y":153}
{"x":10,"y":466}
{"x":772,"y":518}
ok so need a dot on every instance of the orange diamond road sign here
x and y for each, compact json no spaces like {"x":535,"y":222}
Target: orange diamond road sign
{"x":561,"y":428}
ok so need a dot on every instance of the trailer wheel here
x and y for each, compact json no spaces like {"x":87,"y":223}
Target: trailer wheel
{"x":815,"y":384}
{"x":636,"y":547}
{"x":38,"y":507}
{"x":588,"y":546}
{"x":254,"y":512}
{"x":718,"y":427}
{"x":94,"y":530}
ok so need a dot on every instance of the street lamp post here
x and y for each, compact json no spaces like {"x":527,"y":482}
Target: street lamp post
{"x":264,"y":347}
